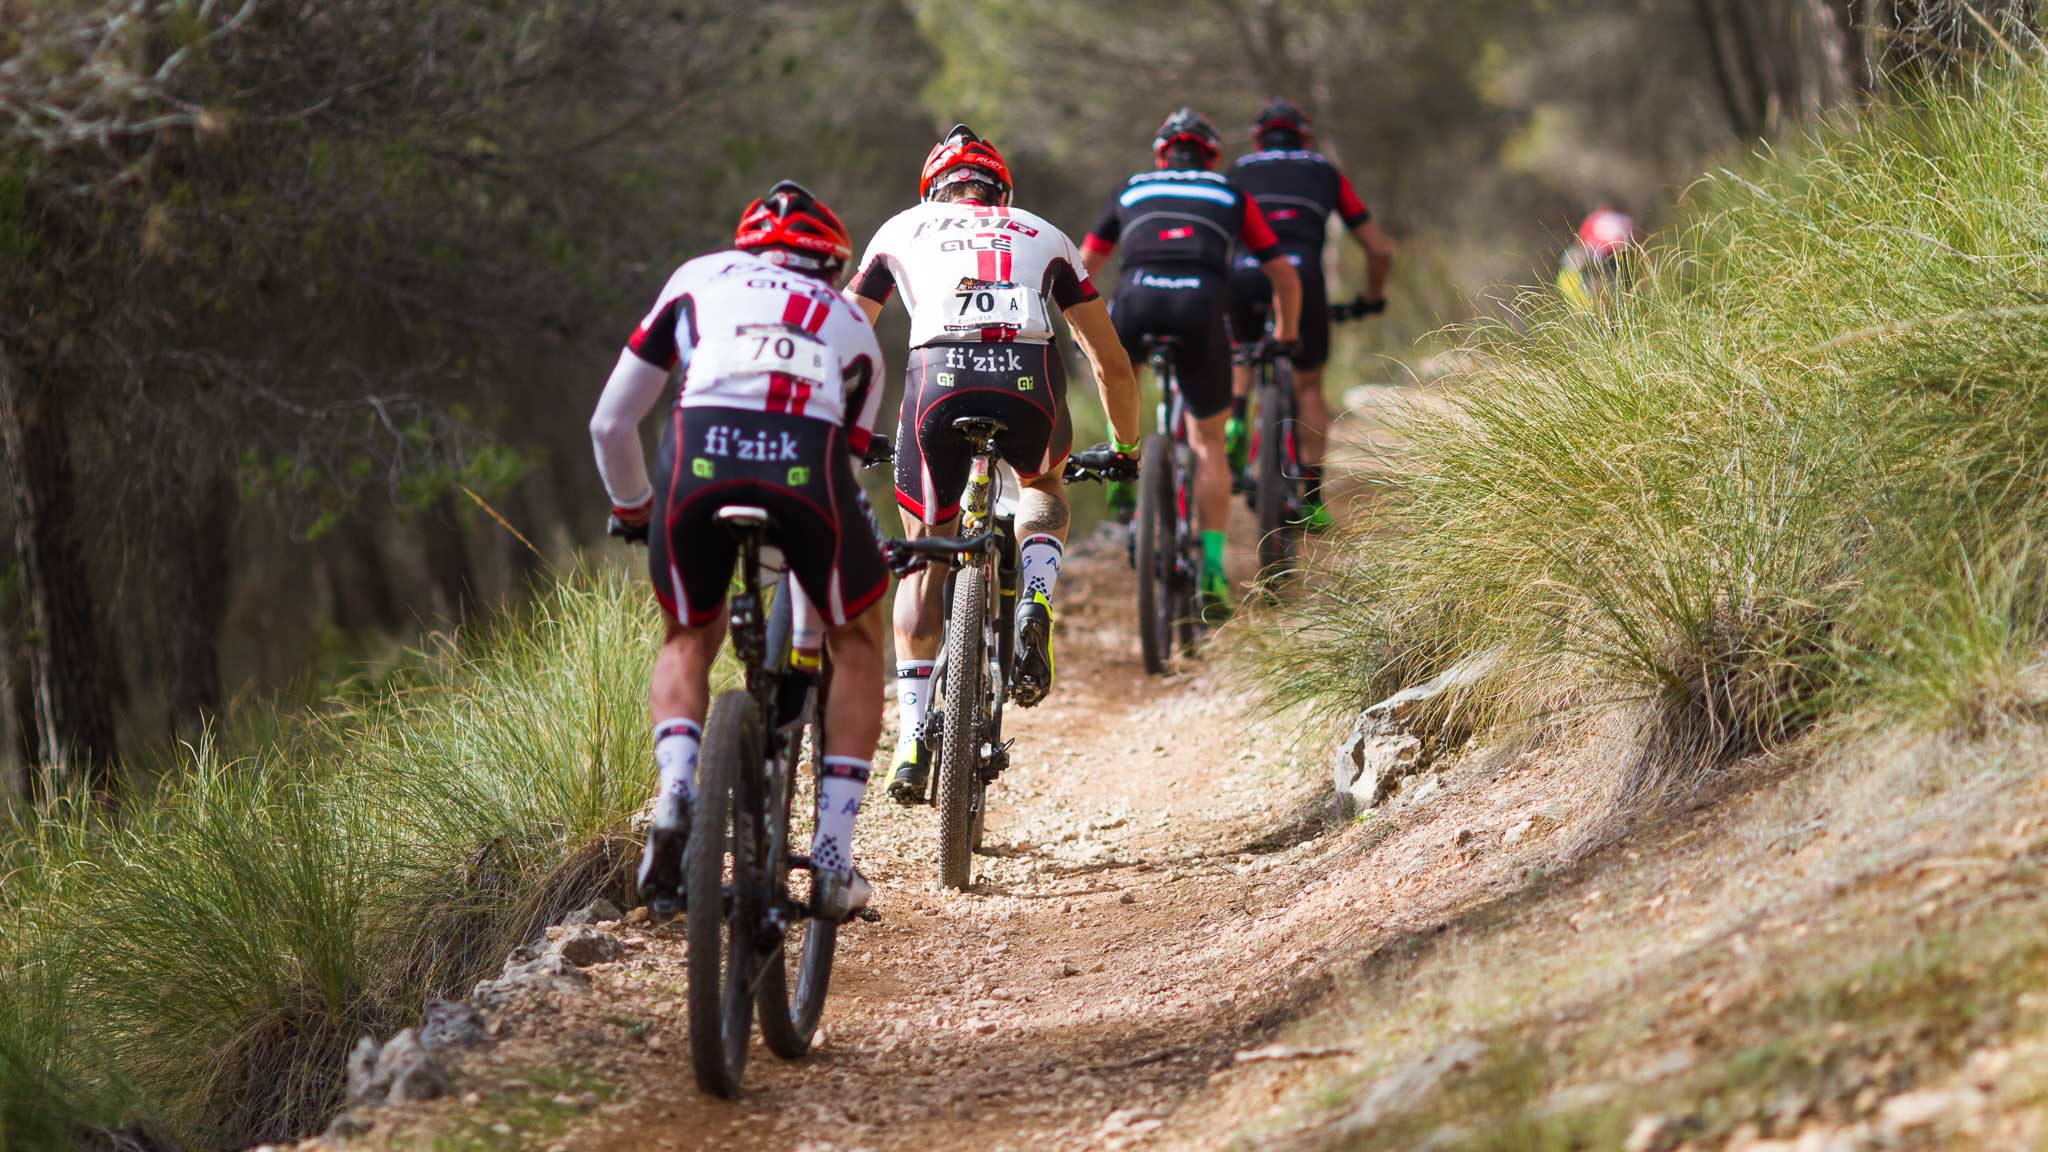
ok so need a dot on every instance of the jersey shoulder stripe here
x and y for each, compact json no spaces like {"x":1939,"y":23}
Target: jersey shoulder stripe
{"x":1138,"y":193}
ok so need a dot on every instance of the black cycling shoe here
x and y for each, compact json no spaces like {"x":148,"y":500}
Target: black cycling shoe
{"x":660,"y":880}
{"x":1031,"y":676}
{"x":910,"y":776}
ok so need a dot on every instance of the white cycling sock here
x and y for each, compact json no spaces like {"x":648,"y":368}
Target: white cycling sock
{"x":675,"y":754}
{"x":1038,"y":559}
{"x":840,"y":788}
{"x":913,"y":698}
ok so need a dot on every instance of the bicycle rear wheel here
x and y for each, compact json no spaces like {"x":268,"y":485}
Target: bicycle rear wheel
{"x":1155,"y":553}
{"x":796,"y":974}
{"x":960,"y":751}
{"x":722,"y":958}
{"x":1273,"y":502}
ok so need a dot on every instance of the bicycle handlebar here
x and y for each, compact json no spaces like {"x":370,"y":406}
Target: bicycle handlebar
{"x":1356,"y":308}
{"x":1099,"y":463}
{"x":907,"y":556}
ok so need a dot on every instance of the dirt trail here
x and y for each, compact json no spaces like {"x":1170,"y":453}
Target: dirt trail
{"x":1109,"y":958}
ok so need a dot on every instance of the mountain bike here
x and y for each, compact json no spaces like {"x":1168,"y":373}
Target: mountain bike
{"x":1167,"y":549}
{"x":753,"y":944}
{"x":1275,"y":487}
{"x":970,"y":679}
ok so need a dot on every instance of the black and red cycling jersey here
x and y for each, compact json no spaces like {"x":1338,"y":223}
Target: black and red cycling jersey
{"x":1181,"y":217}
{"x":1296,"y":190}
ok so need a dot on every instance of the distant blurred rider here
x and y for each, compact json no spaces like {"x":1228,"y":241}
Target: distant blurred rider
{"x":1298,"y":188}
{"x":781,"y":380}
{"x":1588,"y":268}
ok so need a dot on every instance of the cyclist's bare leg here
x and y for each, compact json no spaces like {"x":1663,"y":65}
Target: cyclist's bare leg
{"x":1042,"y":508}
{"x":853,"y":725}
{"x":853,"y":709}
{"x":1041,"y":548}
{"x":1212,"y":473}
{"x":681,"y":684}
{"x":1240,"y":381}
{"x":920,"y":620}
{"x":1314,"y":413}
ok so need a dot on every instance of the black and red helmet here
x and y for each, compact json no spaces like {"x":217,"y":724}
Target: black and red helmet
{"x":1280,"y":116}
{"x":1187,"y":128}
{"x":794,"y":229}
{"x":960,"y":157}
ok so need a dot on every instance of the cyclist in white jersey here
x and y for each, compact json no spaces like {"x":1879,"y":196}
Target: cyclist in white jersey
{"x":981,"y":280}
{"x":781,"y":381}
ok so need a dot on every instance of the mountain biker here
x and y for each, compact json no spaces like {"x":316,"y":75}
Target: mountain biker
{"x":781,"y":381}
{"x":977,"y":276}
{"x":1590,"y":265}
{"x":1177,"y":225}
{"x":1297,"y":188}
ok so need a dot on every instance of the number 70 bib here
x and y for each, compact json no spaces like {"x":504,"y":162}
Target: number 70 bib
{"x":979,"y":304}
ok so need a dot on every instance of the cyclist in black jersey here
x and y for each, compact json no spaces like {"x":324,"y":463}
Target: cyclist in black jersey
{"x":1298,"y":189}
{"x":1178,"y":225}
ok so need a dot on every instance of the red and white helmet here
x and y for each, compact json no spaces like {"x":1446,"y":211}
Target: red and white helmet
{"x":794,"y":229}
{"x":1606,"y":231}
{"x":960,"y":157}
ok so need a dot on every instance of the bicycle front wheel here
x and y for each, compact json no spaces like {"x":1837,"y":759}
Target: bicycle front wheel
{"x":1155,"y":553}
{"x":960,"y":740}
{"x":721,"y":930}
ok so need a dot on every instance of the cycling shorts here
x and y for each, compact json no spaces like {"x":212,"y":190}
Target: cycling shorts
{"x":1022,"y":385}
{"x":1185,"y":302}
{"x":1251,"y":304}
{"x":795,"y":467}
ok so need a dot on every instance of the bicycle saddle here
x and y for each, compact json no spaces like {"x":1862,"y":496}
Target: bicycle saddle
{"x":743,"y":515}
{"x":976,"y":427}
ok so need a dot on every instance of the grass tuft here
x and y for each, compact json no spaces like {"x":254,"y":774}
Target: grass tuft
{"x":200,"y":961}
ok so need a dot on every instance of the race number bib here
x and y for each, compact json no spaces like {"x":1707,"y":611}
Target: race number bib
{"x":755,"y":349}
{"x":979,"y":304}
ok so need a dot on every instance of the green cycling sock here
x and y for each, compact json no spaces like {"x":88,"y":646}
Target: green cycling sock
{"x":1212,"y":553}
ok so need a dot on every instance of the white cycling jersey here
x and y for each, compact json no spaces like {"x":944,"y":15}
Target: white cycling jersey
{"x":972,"y":273}
{"x":746,"y":333}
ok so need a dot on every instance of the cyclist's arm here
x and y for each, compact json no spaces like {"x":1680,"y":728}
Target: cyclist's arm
{"x":1115,"y":379}
{"x":1379,"y":249}
{"x":1379,"y":258}
{"x":632,"y":392}
{"x":872,"y":286}
{"x":1265,"y":247}
{"x":1101,"y":239}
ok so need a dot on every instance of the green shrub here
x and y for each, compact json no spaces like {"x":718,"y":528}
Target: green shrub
{"x":1779,"y":477}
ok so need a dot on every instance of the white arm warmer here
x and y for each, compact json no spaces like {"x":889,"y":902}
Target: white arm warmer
{"x":632,"y":392}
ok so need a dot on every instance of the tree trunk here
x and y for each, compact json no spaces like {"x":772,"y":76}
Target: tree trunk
{"x":448,"y":560}
{"x":199,"y":569}
{"x":73,"y":711}
{"x":1723,"y":45}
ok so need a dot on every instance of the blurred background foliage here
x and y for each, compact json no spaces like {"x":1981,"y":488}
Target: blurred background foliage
{"x":303,"y":301}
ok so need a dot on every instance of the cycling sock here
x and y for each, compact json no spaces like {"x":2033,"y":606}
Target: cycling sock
{"x":1038,"y":561}
{"x":841,"y":784}
{"x":1312,"y":483}
{"x":1212,"y":553}
{"x":675,"y":754}
{"x":913,"y":696}
{"x":1239,"y":405}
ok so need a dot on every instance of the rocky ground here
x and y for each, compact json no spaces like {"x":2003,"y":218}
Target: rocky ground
{"x":1176,"y":943}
